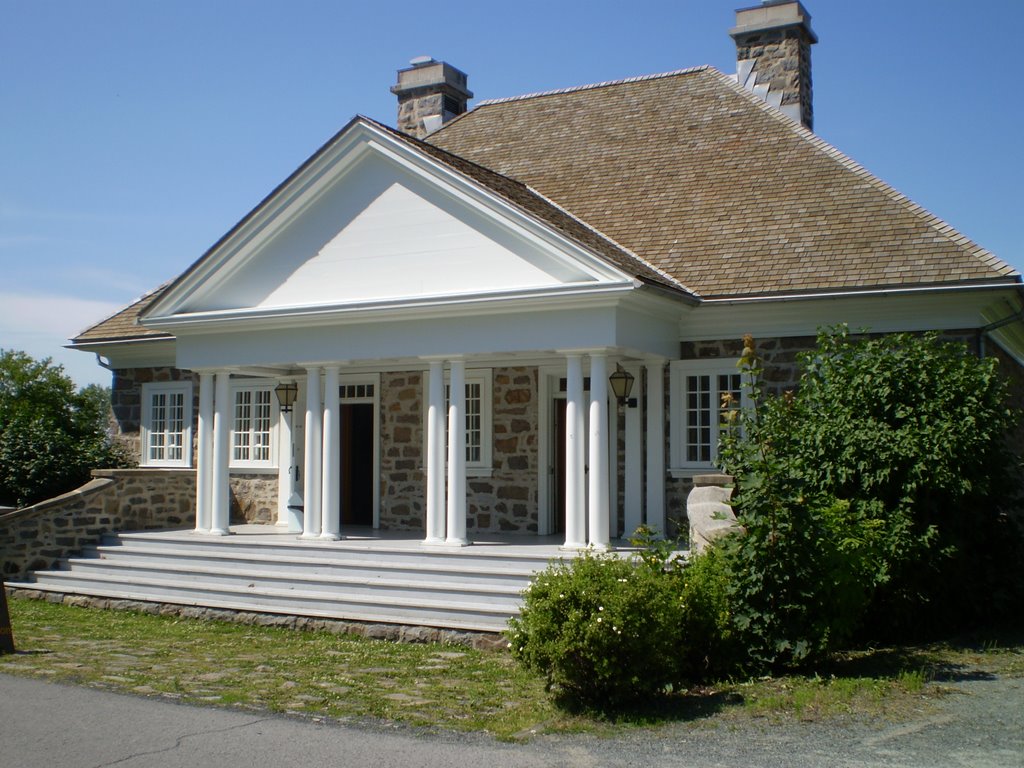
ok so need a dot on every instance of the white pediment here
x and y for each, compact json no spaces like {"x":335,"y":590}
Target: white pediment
{"x":379,"y":230}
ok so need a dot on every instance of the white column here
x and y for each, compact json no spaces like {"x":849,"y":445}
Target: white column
{"x":204,"y":455}
{"x":331,"y":471}
{"x":597,"y":501}
{"x":633,"y":490}
{"x":286,"y":465}
{"x":313,"y":463}
{"x":435,"y":526}
{"x":457,"y":455}
{"x":655,"y":446}
{"x":221,"y":491}
{"x":575,"y":495}
{"x":613,"y":466}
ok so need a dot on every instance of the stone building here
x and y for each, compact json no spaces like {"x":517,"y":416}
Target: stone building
{"x":448,"y":301}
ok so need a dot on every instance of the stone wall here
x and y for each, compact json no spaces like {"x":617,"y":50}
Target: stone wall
{"x":507,"y":500}
{"x":126,"y":400}
{"x":401,"y":456}
{"x":254,"y":497}
{"x":38,"y":537}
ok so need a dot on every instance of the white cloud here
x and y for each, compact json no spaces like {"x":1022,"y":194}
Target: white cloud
{"x":42,"y":324}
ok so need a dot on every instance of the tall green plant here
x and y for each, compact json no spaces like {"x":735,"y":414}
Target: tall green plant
{"x":907,"y":430}
{"x":801,"y":573}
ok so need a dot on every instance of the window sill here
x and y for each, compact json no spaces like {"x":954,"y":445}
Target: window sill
{"x":687,"y":473}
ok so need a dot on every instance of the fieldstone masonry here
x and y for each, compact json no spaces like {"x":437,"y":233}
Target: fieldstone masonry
{"x":38,"y":537}
{"x":254,"y":498}
{"x":506,"y":500}
{"x":126,"y":400}
{"x":401,"y":462}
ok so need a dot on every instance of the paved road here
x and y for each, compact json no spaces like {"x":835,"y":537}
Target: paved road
{"x":43,"y":725}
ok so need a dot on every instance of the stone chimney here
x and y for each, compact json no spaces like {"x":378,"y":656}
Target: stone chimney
{"x":773,"y":56}
{"x":430,"y":93}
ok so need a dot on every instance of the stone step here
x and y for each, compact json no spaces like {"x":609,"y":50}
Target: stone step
{"x":357,"y":566}
{"x":383,"y":581}
{"x":471,"y":556}
{"x":454,"y":613}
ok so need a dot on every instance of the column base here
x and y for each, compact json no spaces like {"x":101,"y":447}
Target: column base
{"x":203,"y":531}
{"x":600,"y":547}
{"x":219,"y":532}
{"x":436,"y":542}
{"x":329,"y":537}
{"x":457,"y":542}
{"x":573,"y":546}
{"x":310,"y":536}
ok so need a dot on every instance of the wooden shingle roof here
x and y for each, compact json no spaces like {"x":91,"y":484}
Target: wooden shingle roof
{"x":687,"y":181}
{"x":709,"y":184}
{"x":535,"y":204}
{"x":124,"y":325}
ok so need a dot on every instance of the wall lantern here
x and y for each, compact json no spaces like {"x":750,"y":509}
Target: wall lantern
{"x":286,"y":394}
{"x":622,"y":385}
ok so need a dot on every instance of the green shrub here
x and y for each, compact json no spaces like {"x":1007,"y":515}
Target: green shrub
{"x":708,"y":645}
{"x":603,"y":630}
{"x":50,"y":435}
{"x":908,"y":431}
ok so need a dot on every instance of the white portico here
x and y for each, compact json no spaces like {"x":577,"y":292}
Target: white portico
{"x":375,"y":258}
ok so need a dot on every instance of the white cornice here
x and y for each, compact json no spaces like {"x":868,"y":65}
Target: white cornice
{"x":489,"y":303}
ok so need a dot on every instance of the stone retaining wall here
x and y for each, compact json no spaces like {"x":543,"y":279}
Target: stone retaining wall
{"x":38,"y":537}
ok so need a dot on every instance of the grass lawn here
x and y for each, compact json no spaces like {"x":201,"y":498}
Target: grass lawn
{"x":324,"y":675}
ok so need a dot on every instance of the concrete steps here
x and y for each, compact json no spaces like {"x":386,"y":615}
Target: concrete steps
{"x":471,"y":588}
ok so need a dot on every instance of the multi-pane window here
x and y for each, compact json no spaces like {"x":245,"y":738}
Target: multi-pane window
{"x":167,"y":424}
{"x":709,"y":399}
{"x":474,"y":432}
{"x":474,"y":419}
{"x":478,"y":414}
{"x":251,"y":426}
{"x":703,"y":393}
{"x":356,"y":391}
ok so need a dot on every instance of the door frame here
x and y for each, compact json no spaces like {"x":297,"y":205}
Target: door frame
{"x":548,"y":384}
{"x":345,"y":380}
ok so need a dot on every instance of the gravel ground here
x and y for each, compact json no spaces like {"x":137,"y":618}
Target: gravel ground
{"x":980,"y":723}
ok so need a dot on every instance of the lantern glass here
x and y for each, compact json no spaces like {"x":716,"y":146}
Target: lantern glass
{"x":286,"y":392}
{"x":622,"y":383}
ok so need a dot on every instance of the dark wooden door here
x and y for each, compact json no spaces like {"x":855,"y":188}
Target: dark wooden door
{"x":357,"y":464}
{"x":558,"y":453}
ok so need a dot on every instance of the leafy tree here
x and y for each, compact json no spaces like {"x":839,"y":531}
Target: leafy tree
{"x":51,"y":435}
{"x":882,"y":484}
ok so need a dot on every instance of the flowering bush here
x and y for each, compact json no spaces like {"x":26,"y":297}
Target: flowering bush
{"x":604,"y":630}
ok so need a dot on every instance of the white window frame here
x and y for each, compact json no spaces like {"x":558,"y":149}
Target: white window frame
{"x":183,"y":388}
{"x":253,"y":386}
{"x":484,"y":466}
{"x":679,"y":371}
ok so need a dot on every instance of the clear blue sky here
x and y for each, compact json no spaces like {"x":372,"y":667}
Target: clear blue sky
{"x":134,"y":133}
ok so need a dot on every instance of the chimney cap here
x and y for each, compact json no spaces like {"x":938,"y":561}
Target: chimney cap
{"x":421,"y":61}
{"x":770,"y":15}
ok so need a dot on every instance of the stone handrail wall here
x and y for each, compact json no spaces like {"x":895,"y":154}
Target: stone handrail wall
{"x":709,"y":511}
{"x":36,"y":538}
